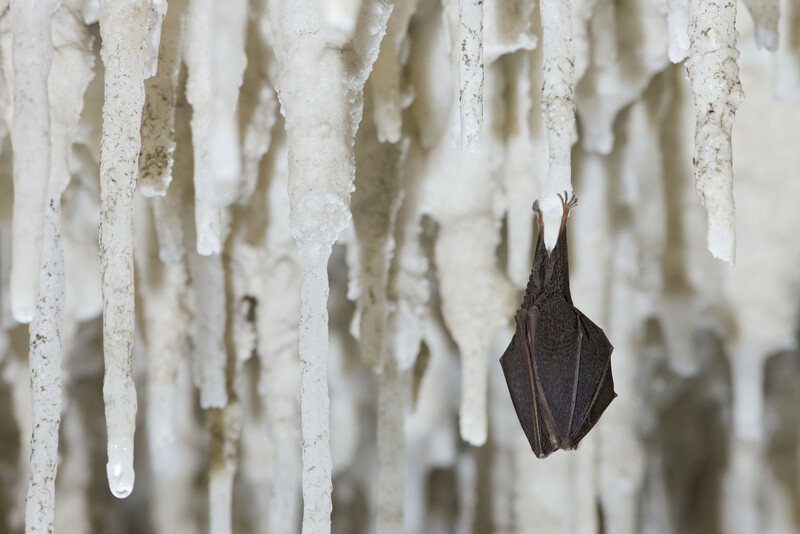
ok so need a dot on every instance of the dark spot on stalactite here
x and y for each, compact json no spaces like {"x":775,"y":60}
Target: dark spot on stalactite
{"x":251,"y":303}
{"x":420,"y":367}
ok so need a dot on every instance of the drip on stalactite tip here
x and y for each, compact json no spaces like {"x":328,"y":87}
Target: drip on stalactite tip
{"x":119,"y":468}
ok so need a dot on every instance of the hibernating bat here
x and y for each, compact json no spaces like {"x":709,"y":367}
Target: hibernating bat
{"x":558,"y":364}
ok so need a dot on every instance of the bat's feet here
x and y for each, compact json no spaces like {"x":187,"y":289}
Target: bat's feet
{"x":568,"y":201}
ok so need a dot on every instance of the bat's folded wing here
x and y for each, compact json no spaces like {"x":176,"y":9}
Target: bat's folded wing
{"x":595,"y":385}
{"x":517,"y":368}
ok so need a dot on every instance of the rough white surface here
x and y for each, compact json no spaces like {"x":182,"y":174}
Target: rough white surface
{"x":470,"y":73}
{"x":558,"y":107}
{"x":158,"y":117}
{"x":714,"y":71}
{"x":123,"y":26}
{"x":45,"y":364}
{"x":320,"y":182}
{"x":30,"y":139}
{"x":70,"y":73}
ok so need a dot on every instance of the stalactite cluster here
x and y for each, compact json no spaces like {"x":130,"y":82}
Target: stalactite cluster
{"x":259,"y":258}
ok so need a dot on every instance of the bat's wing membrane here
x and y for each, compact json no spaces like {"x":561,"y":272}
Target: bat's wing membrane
{"x":556,"y":358}
{"x":517,"y":364}
{"x":595,"y":385}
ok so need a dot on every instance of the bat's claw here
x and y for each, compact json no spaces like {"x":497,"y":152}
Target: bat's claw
{"x":536,"y":209}
{"x":568,"y":202}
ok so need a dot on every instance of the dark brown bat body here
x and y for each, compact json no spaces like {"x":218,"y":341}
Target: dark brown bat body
{"x":558,"y":364}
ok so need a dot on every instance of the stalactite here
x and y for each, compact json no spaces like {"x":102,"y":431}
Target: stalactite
{"x":215,"y":60}
{"x":678,"y":27}
{"x":374,"y":205}
{"x":122,"y":27}
{"x":558,"y":106}
{"x":525,"y":167}
{"x":386,"y":82}
{"x":30,"y":138}
{"x":714,"y":71}
{"x":765,"y":16}
{"x":277,"y":319}
{"x":470,"y":73}
{"x":68,"y":65}
{"x":319,"y":203}
{"x":158,"y":117}
{"x":45,"y":364}
{"x":391,"y":450}
{"x":164,"y":288}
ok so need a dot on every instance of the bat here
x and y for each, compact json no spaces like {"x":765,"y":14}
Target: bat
{"x":558,"y":364}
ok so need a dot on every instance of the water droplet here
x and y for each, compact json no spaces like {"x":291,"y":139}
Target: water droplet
{"x":119,"y":468}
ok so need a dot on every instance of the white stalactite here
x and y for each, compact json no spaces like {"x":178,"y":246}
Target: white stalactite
{"x":71,"y":70}
{"x":385,"y":82}
{"x":158,"y":117}
{"x":525,"y":167}
{"x":163,"y":287}
{"x":169,"y":211}
{"x":391,"y":444}
{"x":276,"y":289}
{"x":123,"y":26}
{"x":258,"y":100}
{"x":215,"y":61}
{"x":45,"y":365}
{"x":765,"y":16}
{"x":714,"y":71}
{"x":374,"y":205}
{"x":558,"y":107}
{"x":474,"y":305}
{"x":208,"y":329}
{"x":470,"y":73}
{"x":30,"y":138}
{"x":678,"y":24}
{"x":320,"y":182}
